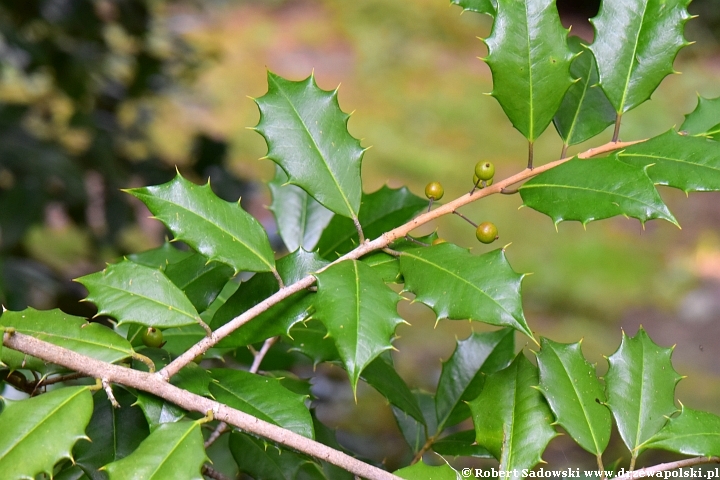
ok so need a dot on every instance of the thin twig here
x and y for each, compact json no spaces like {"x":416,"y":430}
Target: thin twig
{"x":414,"y":240}
{"x":260,"y":355}
{"x":475,"y":186}
{"x":221,"y":428}
{"x":465,"y":218}
{"x":616,"y":133}
{"x":392,"y":252}
{"x":108,"y":391}
{"x":430,"y":202}
{"x":359,"y":229}
{"x":61,"y":378}
{"x":509,"y":191}
{"x":531,"y":155}
{"x":208,"y":471}
{"x":278,"y":278}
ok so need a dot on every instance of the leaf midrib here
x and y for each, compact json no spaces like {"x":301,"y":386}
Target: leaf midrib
{"x":632,"y":61}
{"x":670,"y":159}
{"x":151,"y":300}
{"x":172,"y":451}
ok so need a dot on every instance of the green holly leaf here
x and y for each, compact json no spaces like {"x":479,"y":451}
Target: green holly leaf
{"x":575,"y":394}
{"x":326,"y":436}
{"x":194,"y":379}
{"x":459,"y":285}
{"x":640,"y":385}
{"x":311,"y":339}
{"x":636,"y":42}
{"x":386,"y":266}
{"x":423,"y":471}
{"x":381,"y":375}
{"x":585,"y":110}
{"x":160,"y":257}
{"x":279,"y":318}
{"x":530,"y":63}
{"x":134,"y":293}
{"x":704,"y":118}
{"x":262,"y":397}
{"x":413,"y":431}
{"x":488,"y":7}
{"x":691,"y":433}
{"x":691,"y":164}
{"x":300,"y":219}
{"x":157,"y":411}
{"x":587,"y":190}
{"x":463,"y":374}
{"x":268,"y":462}
{"x":306,"y":133}
{"x":359,"y":312}
{"x":460,"y":444}
{"x":114,"y":433}
{"x":38,"y":432}
{"x":380,"y":212}
{"x":511,"y":417}
{"x":199,"y":279}
{"x":67,"y":331}
{"x":220,"y":230}
{"x":173,"y":450}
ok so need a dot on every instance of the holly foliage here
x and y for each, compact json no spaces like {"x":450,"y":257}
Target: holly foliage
{"x":351,"y":260}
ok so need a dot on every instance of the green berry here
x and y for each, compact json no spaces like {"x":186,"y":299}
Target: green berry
{"x":486,"y":232}
{"x":438,"y":241}
{"x":152,"y":337}
{"x":489,"y":182}
{"x":485,"y":170}
{"x":434,"y":191}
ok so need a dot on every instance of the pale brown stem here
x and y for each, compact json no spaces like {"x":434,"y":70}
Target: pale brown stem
{"x":616,"y":132}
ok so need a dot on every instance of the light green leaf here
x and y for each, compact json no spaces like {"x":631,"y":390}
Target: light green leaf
{"x":173,"y":450}
{"x":636,"y":42}
{"x":268,"y":462}
{"x":640,"y":385}
{"x":423,"y":471}
{"x":359,"y":312}
{"x":705,"y":116}
{"x":691,"y":164}
{"x":200,"y":280}
{"x":386,"y":266}
{"x":67,"y":331}
{"x":463,"y":374}
{"x":511,"y":417}
{"x":575,"y":394}
{"x":381,"y":375}
{"x":300,"y":219}
{"x":38,"y":432}
{"x":460,"y":444}
{"x":220,"y":230}
{"x":459,"y":285}
{"x":691,"y":433}
{"x":530,"y":63}
{"x":380,"y":212}
{"x":488,"y":7}
{"x":585,"y":110}
{"x":587,"y":190}
{"x":193,"y":378}
{"x":134,"y":293}
{"x":262,"y":397}
{"x":306,"y":133}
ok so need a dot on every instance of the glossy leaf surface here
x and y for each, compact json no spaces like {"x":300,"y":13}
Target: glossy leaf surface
{"x":530,"y":63}
{"x":691,"y":164}
{"x":636,"y":42}
{"x":587,"y":190}
{"x":585,"y":110}
{"x":460,"y":444}
{"x":200,"y":280}
{"x":134,"y":293}
{"x":262,"y":397}
{"x":306,"y":133}
{"x":423,"y":471}
{"x":383,"y":377}
{"x":385,"y":265}
{"x":511,"y":417}
{"x":37,"y":432}
{"x":220,"y":230}
{"x":157,"y":411}
{"x":575,"y":395}
{"x":705,"y":116}
{"x":359,"y":312}
{"x":268,"y":462}
{"x":488,"y":7}
{"x":640,"y":385}
{"x":310,"y":338}
{"x":160,"y":257}
{"x":173,"y":450}
{"x":691,"y":433}
{"x":459,"y":285}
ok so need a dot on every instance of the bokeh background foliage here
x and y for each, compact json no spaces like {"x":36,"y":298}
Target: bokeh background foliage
{"x":98,"y":95}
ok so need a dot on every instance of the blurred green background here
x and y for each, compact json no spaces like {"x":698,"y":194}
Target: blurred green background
{"x":98,"y":95}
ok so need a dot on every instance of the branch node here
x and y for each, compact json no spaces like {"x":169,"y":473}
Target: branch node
{"x":109,"y":392}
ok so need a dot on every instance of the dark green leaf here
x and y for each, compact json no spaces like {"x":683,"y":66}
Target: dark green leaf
{"x":480,"y":6}
{"x":587,"y":190}
{"x":359,"y":312}
{"x":640,"y":385}
{"x":306,"y":133}
{"x":636,"y":42}
{"x":575,"y":394}
{"x":585,"y":111}
{"x":300,"y":219}
{"x":157,"y":411}
{"x":137,"y":294}
{"x":179,"y":339}
{"x":463,"y":374}
{"x":160,"y":257}
{"x":530,"y":63}
{"x":414,"y":432}
{"x":382,"y":376}
{"x":220,"y":230}
{"x":200,"y":280}
{"x":459,"y":285}
{"x":173,"y":450}
{"x":193,"y":379}
{"x":691,"y":164}
{"x":38,"y":432}
{"x":310,"y":338}
{"x":386,"y":266}
{"x":511,"y":417}
{"x":705,"y":116}
{"x":262,"y":397}
{"x":267,"y":462}
{"x":380,"y":212}
{"x":326,"y":436}
{"x":292,"y":382}
{"x":691,"y":433}
{"x":422,"y":471}
{"x":460,"y":444}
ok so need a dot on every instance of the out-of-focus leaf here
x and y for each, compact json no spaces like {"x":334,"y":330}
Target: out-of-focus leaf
{"x":480,"y":6}
{"x":459,"y":285}
{"x":636,"y":42}
{"x":262,"y":397}
{"x":200,"y":280}
{"x":157,"y":411}
{"x":414,"y":432}
{"x":692,"y":432}
{"x":134,"y":293}
{"x":306,"y":133}
{"x":381,"y":375}
{"x":575,"y":394}
{"x":640,"y":385}
{"x":359,"y":312}
{"x":326,"y":436}
{"x":173,"y":450}
{"x":460,"y":444}
{"x":587,"y":190}
{"x":423,"y":471}
{"x":300,"y":219}
{"x":267,"y":462}
{"x":38,"y":432}
{"x":220,"y":230}
{"x":705,"y":116}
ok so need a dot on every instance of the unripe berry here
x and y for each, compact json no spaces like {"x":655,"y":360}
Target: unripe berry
{"x":485,"y":170}
{"x":152,"y":337}
{"x":486,"y":232}
{"x":434,"y":191}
